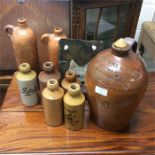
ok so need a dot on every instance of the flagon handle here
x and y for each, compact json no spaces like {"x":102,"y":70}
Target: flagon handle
{"x":45,"y":38}
{"x":9,"y":30}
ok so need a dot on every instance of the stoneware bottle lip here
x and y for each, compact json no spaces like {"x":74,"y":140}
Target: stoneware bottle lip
{"x":52,"y":84}
{"x":48,"y":67}
{"x":121,"y":47}
{"x":70,"y":76}
{"x":74,"y":89}
{"x":58,"y":30}
{"x":24,"y":68}
{"x":22,"y":22}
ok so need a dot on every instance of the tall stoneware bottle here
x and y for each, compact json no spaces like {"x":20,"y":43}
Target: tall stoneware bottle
{"x":116,"y":80}
{"x":27,"y":84}
{"x":74,"y":107}
{"x":70,"y":77}
{"x":52,"y":97}
{"x":24,"y":43}
{"x":49,"y":72}
{"x":52,"y":40}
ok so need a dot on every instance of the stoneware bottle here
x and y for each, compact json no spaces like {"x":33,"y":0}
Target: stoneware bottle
{"x":52,"y":40}
{"x":116,"y":80}
{"x":70,"y":77}
{"x":49,"y":72}
{"x":74,"y":107}
{"x":24,"y":43}
{"x":52,"y":97}
{"x":27,"y":84}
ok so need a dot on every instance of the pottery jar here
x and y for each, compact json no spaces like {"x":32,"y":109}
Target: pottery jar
{"x":27,"y":84}
{"x":116,"y":80}
{"x":52,"y":97}
{"x":24,"y":43}
{"x":52,"y":40}
{"x":49,"y":72}
{"x":70,"y":77}
{"x":74,"y":101}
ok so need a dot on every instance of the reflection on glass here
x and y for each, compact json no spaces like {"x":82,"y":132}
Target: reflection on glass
{"x":106,"y":24}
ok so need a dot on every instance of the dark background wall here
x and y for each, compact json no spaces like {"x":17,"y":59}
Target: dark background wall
{"x":41,"y":16}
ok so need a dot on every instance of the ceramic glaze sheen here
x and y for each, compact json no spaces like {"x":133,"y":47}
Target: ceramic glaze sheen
{"x":52,"y":97}
{"x":52,"y":40}
{"x":24,"y":43}
{"x":49,"y":72}
{"x":116,"y":81}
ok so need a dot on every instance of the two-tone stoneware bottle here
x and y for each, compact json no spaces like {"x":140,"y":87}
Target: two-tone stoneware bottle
{"x":52,"y":97}
{"x":74,"y":101}
{"x":24,"y":43}
{"x":27,"y":84}
{"x":116,"y":80}
{"x":49,"y":72}
{"x":52,"y":41}
{"x":70,"y":77}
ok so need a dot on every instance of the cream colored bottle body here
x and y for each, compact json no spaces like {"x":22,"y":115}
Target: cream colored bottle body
{"x":52,"y":97}
{"x":27,"y":84}
{"x":74,"y":107}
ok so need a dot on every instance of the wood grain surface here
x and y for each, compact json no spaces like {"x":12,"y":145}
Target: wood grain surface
{"x":26,"y":132}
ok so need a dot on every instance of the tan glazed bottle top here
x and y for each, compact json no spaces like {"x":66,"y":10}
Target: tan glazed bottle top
{"x":70,"y":76}
{"x":58,"y":30}
{"x":52,"y":85}
{"x":74,"y":89}
{"x":22,"y":22}
{"x":121,"y":47}
{"x":48,"y":67}
{"x":24,"y":68}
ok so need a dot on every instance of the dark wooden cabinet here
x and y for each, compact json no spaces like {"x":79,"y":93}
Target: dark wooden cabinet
{"x":104,"y":20}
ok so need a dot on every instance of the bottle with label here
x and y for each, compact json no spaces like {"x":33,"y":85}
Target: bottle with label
{"x":27,"y":84}
{"x":116,"y":80}
{"x":70,"y":77}
{"x":52,"y":97}
{"x":49,"y":72}
{"x":74,"y":101}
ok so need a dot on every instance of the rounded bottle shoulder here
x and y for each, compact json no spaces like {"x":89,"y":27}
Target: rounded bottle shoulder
{"x":74,"y":101}
{"x":25,"y":77}
{"x":53,"y":95}
{"x":120,"y":73}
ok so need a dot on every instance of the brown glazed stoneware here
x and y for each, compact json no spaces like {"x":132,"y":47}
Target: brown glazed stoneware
{"x":74,"y":101}
{"x":70,"y":77}
{"x":49,"y":72}
{"x":52,"y":40}
{"x":116,"y":80}
{"x":24,"y":43}
{"x":52,"y":97}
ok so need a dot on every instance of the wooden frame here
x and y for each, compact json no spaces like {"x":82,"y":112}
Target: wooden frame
{"x":78,"y":15}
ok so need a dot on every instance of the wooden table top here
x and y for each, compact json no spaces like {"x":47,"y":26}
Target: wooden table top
{"x":23,"y":130}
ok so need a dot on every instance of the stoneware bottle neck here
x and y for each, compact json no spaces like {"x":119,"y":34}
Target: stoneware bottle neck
{"x":58,"y":30}
{"x":74,"y":89}
{"x":25,"y":68}
{"x":22,"y":22}
{"x":52,"y":85}
{"x":70,"y":76}
{"x":121,"y":48}
{"x":48,"y":67}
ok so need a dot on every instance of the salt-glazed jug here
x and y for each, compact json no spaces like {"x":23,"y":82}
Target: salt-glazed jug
{"x":70,"y":77}
{"x":74,"y":101}
{"x":116,"y":80}
{"x":24,"y":43}
{"x":27,"y":84}
{"x":52,"y":97}
{"x":49,"y":72}
{"x":52,"y":40}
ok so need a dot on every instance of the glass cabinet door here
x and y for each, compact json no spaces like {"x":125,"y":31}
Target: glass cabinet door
{"x":106,"y":24}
